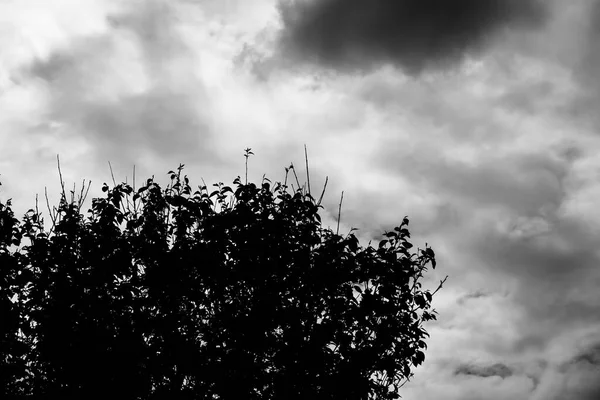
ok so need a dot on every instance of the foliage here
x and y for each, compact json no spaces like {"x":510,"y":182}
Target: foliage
{"x":233,"y":294}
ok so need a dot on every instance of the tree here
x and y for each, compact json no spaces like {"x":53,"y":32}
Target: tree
{"x":165,"y":293}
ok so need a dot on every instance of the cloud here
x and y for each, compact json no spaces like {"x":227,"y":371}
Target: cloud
{"x":133,"y":92}
{"x":415,"y":35}
{"x":574,"y":378}
{"x":497,"y":369}
{"x":494,"y":160}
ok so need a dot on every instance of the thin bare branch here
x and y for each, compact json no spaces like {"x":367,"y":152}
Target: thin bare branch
{"x":62,"y":182}
{"x":72,"y":194}
{"x":339,"y":214}
{"x":323,"y":192}
{"x":111,"y":174}
{"x":39,"y":220}
{"x":287,"y":171}
{"x":52,"y":215}
{"x":82,"y":195}
{"x":440,"y":286}
{"x":296,"y":176}
{"x":134,"y":204}
{"x":307,"y":173}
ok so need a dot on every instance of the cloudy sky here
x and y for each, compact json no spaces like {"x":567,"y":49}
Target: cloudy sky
{"x":479,"y":119}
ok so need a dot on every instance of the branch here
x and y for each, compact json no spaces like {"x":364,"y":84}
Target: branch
{"x":111,"y":174}
{"x":52,"y":215}
{"x":294,"y":170}
{"x":322,"y":193}
{"x":339,"y":214}
{"x":62,"y":183}
{"x":440,"y":286}
{"x":83,"y":196}
{"x":307,"y":174}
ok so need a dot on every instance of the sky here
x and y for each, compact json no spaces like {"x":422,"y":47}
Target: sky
{"x":476,"y":118}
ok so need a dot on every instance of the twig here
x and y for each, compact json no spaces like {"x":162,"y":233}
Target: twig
{"x":111,"y":174}
{"x":37,"y":215}
{"x":83,"y":196}
{"x":307,"y":174}
{"x":440,"y":286}
{"x":406,"y":381}
{"x":52,"y":215}
{"x":134,"y":205}
{"x":72,"y":194}
{"x":287,"y":171}
{"x":294,"y":169}
{"x":62,"y":183}
{"x":322,"y":193}
{"x":247,"y":155}
{"x":339,"y":214}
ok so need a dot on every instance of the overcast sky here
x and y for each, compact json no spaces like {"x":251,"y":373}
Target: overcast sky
{"x":479,"y":119}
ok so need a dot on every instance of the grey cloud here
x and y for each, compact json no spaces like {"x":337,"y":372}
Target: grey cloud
{"x":413,"y":34}
{"x":472,"y":295}
{"x":549,"y":260}
{"x":582,"y":376}
{"x":497,"y":369}
{"x":524,"y":183}
{"x":167,"y":117}
{"x":589,"y":357}
{"x":541,"y":256}
{"x":590,"y":50}
{"x":153,"y":26}
{"x":526,"y":98}
{"x":580,"y":56}
{"x":554,"y":270}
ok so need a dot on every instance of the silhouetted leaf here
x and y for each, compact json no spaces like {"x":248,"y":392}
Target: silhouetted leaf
{"x":256,"y":301}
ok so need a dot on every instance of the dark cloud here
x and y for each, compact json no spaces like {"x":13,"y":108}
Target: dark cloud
{"x":413,"y":34}
{"x":589,"y":357}
{"x":472,"y":295}
{"x":497,"y":369}
{"x":582,"y":374}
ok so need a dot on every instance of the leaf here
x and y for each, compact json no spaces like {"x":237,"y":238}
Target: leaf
{"x":428,"y":296}
{"x":418,"y":358}
{"x":261,"y":283}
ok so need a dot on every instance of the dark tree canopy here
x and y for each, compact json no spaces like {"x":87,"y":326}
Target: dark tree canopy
{"x":174,"y":294}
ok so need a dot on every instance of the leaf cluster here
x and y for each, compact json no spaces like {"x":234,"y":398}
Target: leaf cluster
{"x":186,"y":293}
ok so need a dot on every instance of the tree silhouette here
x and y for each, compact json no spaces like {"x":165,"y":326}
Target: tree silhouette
{"x":174,"y":294}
